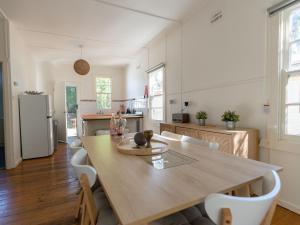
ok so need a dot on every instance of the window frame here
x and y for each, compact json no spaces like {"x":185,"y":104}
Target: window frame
{"x":96,"y":93}
{"x":150,"y":97}
{"x":286,"y":71}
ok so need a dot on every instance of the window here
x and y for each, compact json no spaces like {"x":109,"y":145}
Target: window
{"x":156,"y":94}
{"x":291,"y":71}
{"x":103,"y":93}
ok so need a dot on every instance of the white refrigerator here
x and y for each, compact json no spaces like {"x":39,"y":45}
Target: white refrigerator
{"x":36,"y":126}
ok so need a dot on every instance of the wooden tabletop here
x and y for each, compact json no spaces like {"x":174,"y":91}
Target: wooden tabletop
{"x":106,"y":117}
{"x":139,"y":193}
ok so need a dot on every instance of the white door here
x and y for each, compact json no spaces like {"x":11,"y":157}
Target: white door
{"x":60,"y":110}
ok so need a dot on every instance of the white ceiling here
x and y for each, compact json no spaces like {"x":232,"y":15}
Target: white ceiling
{"x":112,"y":31}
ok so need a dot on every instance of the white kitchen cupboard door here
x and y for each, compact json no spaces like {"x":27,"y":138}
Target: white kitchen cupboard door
{"x":60,"y":110}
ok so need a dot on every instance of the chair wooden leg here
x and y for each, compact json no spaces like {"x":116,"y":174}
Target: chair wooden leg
{"x":79,"y":204}
{"x":226,"y":217}
{"x":269,"y":216}
{"x":83,"y":214}
{"x":86,"y":220}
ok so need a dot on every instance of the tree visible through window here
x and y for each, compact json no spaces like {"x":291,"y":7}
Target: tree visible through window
{"x":103,"y":93}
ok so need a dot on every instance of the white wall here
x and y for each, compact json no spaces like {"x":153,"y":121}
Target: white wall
{"x":45,"y":80}
{"x":224,"y":66}
{"x":136,"y":76}
{"x":49,"y":74}
{"x":52,"y":73}
{"x":23,"y":77}
{"x":222,"y":63}
{"x":225,"y":69}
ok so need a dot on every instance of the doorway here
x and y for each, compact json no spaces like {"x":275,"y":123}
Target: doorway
{"x":72,"y":107}
{"x":2,"y":145}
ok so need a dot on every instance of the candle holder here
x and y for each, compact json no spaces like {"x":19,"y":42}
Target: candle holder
{"x":148,"y":135}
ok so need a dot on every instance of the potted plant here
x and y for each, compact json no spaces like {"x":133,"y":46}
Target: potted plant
{"x":230,"y":117}
{"x":201,"y":117}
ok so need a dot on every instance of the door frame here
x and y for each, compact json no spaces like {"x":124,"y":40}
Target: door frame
{"x":2,"y":78}
{"x":72,"y":84}
{"x":10,"y":157}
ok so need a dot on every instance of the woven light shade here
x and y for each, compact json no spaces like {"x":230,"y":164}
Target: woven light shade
{"x":82,"y":67}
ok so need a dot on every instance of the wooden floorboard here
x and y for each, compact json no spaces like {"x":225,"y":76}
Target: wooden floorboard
{"x":39,"y":191}
{"x":43,"y":191}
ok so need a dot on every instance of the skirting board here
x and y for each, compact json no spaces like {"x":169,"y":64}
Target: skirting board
{"x":18,"y":162}
{"x":14,"y":164}
{"x":289,"y":206}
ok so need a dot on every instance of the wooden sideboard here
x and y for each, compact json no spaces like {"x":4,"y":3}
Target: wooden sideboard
{"x":239,"y":142}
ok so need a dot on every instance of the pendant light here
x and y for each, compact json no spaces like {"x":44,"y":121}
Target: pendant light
{"x":81,"y":66}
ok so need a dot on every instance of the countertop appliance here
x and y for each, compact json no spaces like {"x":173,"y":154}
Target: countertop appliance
{"x":36,"y":126}
{"x":181,"y":117}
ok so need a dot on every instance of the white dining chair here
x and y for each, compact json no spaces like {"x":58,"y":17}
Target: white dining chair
{"x":79,"y":163}
{"x":75,"y":146}
{"x":171,"y":136}
{"x":196,"y":141}
{"x":95,"y":206}
{"x":220,"y":209}
{"x":247,"y":210}
{"x":96,"y":209}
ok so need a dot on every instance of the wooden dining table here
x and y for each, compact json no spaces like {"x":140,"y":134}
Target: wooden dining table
{"x":140,"y":193}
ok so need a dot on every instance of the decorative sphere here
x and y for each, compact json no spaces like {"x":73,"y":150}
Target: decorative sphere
{"x":139,"y":139}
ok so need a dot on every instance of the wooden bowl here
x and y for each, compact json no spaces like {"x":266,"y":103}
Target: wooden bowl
{"x":130,"y":148}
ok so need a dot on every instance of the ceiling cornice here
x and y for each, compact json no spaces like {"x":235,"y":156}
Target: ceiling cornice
{"x":76,"y":51}
{"x":78,"y":38}
{"x":137,"y":11}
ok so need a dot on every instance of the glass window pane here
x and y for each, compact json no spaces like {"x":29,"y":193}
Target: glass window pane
{"x":293,"y":90}
{"x":156,"y":82}
{"x":103,"y":101}
{"x":292,"y":126}
{"x":295,"y":25}
{"x":295,"y":55}
{"x":103,"y":85}
{"x":156,"y":91}
{"x":157,"y":114}
{"x":103,"y":93}
{"x":157,"y":102}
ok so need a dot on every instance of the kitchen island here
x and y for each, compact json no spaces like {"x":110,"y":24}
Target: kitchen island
{"x":91,"y":123}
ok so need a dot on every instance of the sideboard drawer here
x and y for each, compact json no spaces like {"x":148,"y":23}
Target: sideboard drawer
{"x":240,"y":142}
{"x":224,"y":141}
{"x":167,"y":127}
{"x":186,"y":132}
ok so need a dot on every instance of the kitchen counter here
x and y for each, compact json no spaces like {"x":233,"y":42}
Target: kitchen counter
{"x":91,"y":123}
{"x":107,"y":117}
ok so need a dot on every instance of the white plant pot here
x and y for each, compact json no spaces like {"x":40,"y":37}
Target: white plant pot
{"x":201,"y":122}
{"x":230,"y":125}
